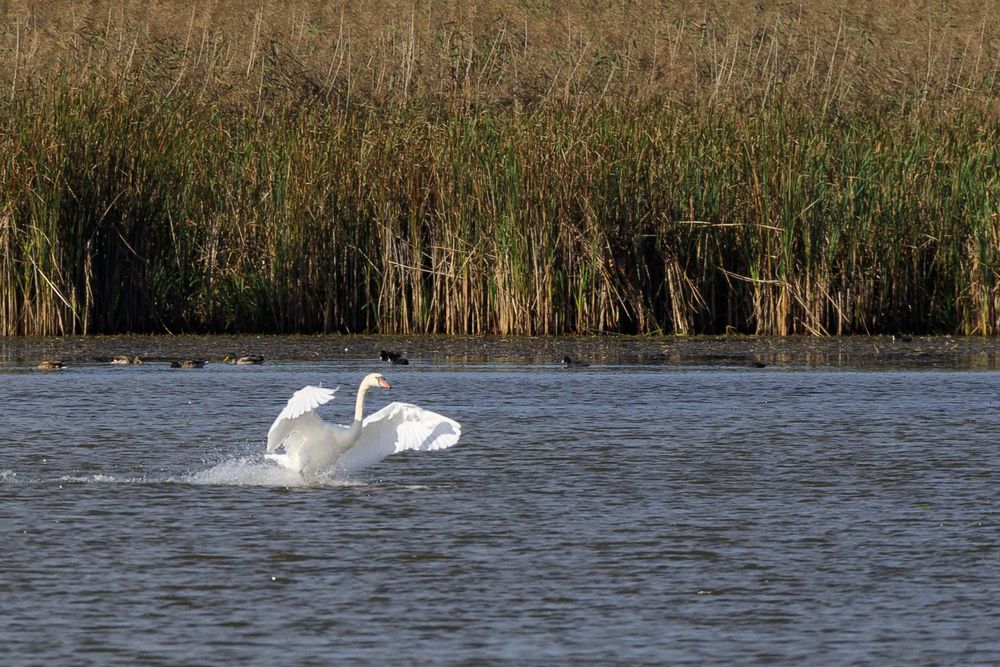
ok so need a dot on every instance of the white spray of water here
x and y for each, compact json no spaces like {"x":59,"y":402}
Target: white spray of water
{"x":256,"y":472}
{"x":232,"y":472}
{"x":99,"y":478}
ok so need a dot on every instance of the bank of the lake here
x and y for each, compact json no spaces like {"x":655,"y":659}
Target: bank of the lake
{"x":876,"y":352}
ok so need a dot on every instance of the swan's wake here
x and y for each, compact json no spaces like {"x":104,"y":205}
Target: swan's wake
{"x":252,"y":471}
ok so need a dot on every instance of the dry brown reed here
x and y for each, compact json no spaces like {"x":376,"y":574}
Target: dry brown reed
{"x":535,"y":168}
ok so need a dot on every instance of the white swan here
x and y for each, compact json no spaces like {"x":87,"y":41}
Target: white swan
{"x":312,"y":446}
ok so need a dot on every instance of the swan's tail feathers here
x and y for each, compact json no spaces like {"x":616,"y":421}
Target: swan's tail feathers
{"x":399,"y":427}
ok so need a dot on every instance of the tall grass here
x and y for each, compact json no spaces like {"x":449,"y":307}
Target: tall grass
{"x":137,"y":215}
{"x":782,"y":191}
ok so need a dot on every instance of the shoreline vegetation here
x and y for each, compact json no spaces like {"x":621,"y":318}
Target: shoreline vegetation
{"x":525,"y":168}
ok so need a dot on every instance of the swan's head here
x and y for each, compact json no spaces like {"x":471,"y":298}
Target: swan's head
{"x":375,"y":380}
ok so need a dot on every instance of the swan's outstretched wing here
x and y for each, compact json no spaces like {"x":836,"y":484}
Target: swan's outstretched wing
{"x":292,"y":436}
{"x":298,"y":413}
{"x":396,"y":428}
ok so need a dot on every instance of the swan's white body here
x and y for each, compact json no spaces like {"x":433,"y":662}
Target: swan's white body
{"x":313,"y":447}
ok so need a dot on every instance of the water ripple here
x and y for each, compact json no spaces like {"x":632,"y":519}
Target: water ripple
{"x":699,"y":516}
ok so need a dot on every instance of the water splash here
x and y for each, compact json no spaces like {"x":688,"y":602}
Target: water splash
{"x":256,"y":472}
{"x":99,"y":478}
{"x":12,"y":477}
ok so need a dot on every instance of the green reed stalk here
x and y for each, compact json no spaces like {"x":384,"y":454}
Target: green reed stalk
{"x":131,"y":211}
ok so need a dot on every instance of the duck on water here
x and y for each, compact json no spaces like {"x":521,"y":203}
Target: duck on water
{"x":188,"y":363}
{"x":125,"y":360}
{"x":246,"y":360}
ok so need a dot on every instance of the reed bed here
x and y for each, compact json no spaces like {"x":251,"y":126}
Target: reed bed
{"x":203,"y":180}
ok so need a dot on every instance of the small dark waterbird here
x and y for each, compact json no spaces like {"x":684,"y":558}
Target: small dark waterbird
{"x":394,"y":358}
{"x":570,"y":362}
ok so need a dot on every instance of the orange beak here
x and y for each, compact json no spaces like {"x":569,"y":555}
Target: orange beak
{"x":382,"y":382}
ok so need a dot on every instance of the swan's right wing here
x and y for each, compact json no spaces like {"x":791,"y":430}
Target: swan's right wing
{"x":396,"y":428}
{"x":298,"y":414}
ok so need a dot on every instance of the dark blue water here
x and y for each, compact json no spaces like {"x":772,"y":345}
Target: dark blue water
{"x":661,"y":514}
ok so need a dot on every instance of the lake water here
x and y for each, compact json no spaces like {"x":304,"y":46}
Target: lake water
{"x":618,"y":513}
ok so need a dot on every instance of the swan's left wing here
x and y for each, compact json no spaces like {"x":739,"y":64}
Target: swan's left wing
{"x":399,"y":427}
{"x":298,"y":411}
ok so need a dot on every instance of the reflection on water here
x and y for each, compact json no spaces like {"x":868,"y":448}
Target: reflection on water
{"x":612,"y":513}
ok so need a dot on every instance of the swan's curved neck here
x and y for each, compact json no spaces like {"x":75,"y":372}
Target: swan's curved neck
{"x":359,"y":405}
